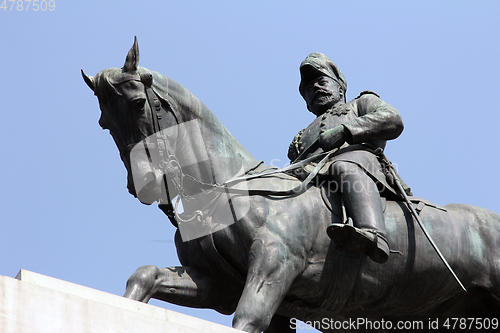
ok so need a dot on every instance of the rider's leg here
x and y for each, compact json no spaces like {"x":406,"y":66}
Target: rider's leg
{"x":363,"y":205}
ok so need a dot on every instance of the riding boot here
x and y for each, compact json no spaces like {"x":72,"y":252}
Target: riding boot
{"x":364,"y":207}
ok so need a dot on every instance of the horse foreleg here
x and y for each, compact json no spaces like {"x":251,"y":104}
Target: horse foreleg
{"x":141,"y":284}
{"x":178,"y":285}
{"x":272,"y":270}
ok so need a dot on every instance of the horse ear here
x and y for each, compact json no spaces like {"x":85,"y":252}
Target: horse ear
{"x":132,"y":60}
{"x":89,"y":80}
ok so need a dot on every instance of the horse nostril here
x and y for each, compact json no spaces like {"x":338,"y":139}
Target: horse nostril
{"x":148,"y":193}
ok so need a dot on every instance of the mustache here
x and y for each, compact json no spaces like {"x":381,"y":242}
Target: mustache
{"x":322,"y":92}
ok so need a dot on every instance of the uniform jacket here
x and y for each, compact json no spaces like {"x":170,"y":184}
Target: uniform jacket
{"x":370,"y":122}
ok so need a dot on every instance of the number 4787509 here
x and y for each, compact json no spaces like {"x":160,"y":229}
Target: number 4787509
{"x":27,"y":5}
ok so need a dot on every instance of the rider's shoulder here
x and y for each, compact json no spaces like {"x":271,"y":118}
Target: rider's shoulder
{"x":367,"y":94}
{"x":366,"y":99}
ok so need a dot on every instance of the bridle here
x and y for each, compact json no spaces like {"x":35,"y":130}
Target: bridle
{"x":162,"y":144}
{"x":167,"y":160}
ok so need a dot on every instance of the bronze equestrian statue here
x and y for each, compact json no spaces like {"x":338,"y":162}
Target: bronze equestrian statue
{"x":272,"y":263}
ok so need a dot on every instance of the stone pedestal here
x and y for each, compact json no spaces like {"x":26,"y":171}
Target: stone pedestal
{"x":34,"y":303}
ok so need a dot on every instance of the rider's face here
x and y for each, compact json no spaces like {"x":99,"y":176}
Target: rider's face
{"x":321,"y":93}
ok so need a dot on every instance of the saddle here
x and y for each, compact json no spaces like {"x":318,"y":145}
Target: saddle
{"x":333,"y":201}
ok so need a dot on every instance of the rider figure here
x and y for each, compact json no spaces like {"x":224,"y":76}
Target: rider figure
{"x":358,"y":129}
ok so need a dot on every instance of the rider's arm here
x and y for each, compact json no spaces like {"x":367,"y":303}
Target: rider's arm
{"x":377,"y":120}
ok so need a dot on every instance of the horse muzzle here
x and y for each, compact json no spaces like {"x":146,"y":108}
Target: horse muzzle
{"x":144,"y":180}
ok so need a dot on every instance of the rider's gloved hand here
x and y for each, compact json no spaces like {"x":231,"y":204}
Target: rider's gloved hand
{"x":333,"y":138}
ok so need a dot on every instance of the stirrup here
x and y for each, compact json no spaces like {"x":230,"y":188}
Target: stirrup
{"x":348,"y":237}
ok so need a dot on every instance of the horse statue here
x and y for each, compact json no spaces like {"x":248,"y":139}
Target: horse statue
{"x":267,"y":258}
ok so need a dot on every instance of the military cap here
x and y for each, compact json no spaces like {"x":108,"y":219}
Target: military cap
{"x":318,"y":64}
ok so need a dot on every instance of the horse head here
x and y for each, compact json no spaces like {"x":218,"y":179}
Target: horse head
{"x":160,"y":128}
{"x":126,"y":113}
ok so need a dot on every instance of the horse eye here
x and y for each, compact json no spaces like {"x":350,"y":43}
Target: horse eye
{"x":138,"y":103}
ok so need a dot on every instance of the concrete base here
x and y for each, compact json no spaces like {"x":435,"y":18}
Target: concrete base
{"x":34,"y":303}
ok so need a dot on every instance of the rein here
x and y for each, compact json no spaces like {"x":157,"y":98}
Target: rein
{"x":165,"y":152}
{"x":162,"y":144}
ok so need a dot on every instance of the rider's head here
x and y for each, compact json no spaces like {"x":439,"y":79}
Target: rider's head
{"x":322,"y":84}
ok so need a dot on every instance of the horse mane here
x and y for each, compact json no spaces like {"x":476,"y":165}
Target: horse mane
{"x":182,"y":103}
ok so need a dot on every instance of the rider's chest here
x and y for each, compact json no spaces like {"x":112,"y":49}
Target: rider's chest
{"x":330,"y":119}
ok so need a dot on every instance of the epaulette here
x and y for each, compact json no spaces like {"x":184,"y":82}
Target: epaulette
{"x":367,"y":92}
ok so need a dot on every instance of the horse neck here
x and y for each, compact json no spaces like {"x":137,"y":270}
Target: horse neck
{"x":205,"y":148}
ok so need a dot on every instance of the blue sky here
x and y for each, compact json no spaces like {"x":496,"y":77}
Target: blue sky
{"x":64,"y":206}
